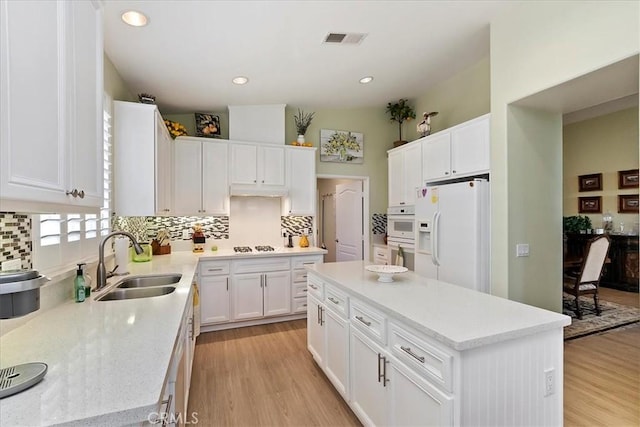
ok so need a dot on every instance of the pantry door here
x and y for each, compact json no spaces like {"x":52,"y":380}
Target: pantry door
{"x":349,"y":224}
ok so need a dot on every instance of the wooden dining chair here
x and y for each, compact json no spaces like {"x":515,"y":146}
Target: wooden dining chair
{"x":587,"y":280}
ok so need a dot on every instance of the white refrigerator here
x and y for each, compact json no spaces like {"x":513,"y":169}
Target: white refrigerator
{"x":452,"y":233}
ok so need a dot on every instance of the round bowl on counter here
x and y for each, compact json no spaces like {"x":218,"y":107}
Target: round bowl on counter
{"x":386,"y":272}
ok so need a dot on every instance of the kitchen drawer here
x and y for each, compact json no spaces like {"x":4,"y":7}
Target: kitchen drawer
{"x":214,"y":268}
{"x":369,"y":320}
{"x":315,"y":286}
{"x":302,"y":261}
{"x":299,"y":305}
{"x":299,"y":290}
{"x":424,"y":358}
{"x":380,"y":255}
{"x":336,"y":301}
{"x":299,"y":276}
{"x":261,"y":265}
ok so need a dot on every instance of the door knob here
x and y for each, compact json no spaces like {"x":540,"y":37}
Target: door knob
{"x":337,"y":241}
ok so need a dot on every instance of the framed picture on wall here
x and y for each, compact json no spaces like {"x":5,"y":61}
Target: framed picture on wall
{"x":590,"y":204}
{"x":628,"y":203}
{"x":207,"y":125}
{"x":592,"y":182}
{"x":628,"y":179}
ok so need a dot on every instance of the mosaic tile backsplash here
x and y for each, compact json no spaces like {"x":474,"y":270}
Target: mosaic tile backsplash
{"x":215,"y":227}
{"x":379,"y":222}
{"x":15,"y":238}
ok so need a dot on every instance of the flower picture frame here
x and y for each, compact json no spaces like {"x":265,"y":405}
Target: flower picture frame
{"x":341,"y":146}
{"x":207,"y":125}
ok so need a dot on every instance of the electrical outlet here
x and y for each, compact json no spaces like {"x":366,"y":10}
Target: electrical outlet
{"x":12,"y":264}
{"x":283,"y":232}
{"x":522,"y":249}
{"x":185,"y":234}
{"x":549,"y":382}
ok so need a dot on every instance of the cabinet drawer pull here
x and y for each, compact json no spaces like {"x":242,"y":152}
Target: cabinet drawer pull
{"x":214,"y":269}
{"x":304,"y":276}
{"x":308,"y":263}
{"x":360,"y":318}
{"x":412,"y":354}
{"x":305,"y":290}
{"x":304,"y":305}
{"x":333,"y":300}
{"x":313,"y":286}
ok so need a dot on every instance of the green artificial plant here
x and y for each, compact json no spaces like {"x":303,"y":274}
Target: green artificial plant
{"x":576,"y":223}
{"x":400,"y":112}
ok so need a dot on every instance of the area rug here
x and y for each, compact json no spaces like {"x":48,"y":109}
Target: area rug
{"x":612,"y":316}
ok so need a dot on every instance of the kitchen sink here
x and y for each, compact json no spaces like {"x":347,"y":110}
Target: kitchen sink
{"x":133,"y":293}
{"x":150,"y":280}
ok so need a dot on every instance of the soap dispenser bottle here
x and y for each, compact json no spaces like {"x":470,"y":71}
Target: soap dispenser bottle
{"x":79,"y":285}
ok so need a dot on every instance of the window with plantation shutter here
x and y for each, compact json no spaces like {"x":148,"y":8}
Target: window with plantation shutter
{"x":62,"y":240}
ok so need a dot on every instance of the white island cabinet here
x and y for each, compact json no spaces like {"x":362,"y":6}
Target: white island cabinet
{"x":424,"y":352}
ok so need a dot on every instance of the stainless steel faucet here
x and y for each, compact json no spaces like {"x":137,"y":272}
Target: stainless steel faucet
{"x":101,"y":274}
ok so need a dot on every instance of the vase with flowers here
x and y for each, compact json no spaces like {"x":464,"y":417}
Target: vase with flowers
{"x":302,"y":121}
{"x":400,"y":112}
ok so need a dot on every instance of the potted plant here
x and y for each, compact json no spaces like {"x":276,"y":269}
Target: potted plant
{"x":576,"y":223}
{"x":400,"y":112}
{"x":302,"y":121}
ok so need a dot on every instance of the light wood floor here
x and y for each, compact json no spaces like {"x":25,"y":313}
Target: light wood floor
{"x":264,"y":375}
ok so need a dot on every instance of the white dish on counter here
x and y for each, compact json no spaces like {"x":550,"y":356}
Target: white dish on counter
{"x":385,"y":272}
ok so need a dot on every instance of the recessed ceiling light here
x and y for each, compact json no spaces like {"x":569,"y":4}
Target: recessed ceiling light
{"x":134,"y":18}
{"x":240,"y":80}
{"x":366,"y":80}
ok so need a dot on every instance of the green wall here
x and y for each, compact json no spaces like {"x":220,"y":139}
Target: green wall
{"x":605,"y":144}
{"x":536,"y":46}
{"x":462,"y":97}
{"x":114,"y":86}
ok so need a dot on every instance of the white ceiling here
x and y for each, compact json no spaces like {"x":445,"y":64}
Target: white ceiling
{"x":190,"y":50}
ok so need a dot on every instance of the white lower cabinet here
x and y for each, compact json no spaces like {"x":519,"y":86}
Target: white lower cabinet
{"x":368,"y":386}
{"x":260,"y":287}
{"x":388,"y":375}
{"x":328,"y":339}
{"x":213,"y":280}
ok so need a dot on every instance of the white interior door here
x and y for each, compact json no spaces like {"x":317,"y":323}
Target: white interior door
{"x":349,"y":231}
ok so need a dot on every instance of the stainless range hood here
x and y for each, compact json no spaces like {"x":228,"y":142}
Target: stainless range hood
{"x":249,"y":191}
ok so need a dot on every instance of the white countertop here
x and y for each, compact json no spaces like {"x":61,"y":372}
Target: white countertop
{"x":230,"y":254}
{"x":107,"y":360}
{"x":458,"y":317}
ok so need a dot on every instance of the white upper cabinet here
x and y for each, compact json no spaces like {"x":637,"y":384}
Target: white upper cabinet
{"x":463,"y":150}
{"x":200,"y":177}
{"x":301,"y":181}
{"x":51,"y":106}
{"x":257,"y":167}
{"x":142,"y":160}
{"x":470,"y":147}
{"x":405,"y":174}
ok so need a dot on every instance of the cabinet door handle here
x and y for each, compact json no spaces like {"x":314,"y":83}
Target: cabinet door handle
{"x":227,"y":284}
{"x":265,"y":280}
{"x":453,"y":171}
{"x":305,"y":290}
{"x":263,"y":181}
{"x":261,"y":281}
{"x":313,"y":286}
{"x":379,"y":368}
{"x":384,"y":371}
{"x":333,"y":300}
{"x":164,"y":419}
{"x":446,"y":173}
{"x":412,"y":354}
{"x":361,"y":319}
{"x":254,"y":181}
{"x":318,"y":316}
{"x":321,"y":315}
{"x":73,"y":192}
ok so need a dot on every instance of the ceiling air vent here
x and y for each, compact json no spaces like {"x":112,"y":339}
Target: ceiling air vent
{"x":344,"y":38}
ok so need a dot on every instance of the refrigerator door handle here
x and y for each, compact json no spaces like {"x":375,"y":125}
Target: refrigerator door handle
{"x":435,"y":234}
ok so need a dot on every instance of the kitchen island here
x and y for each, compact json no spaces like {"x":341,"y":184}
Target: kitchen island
{"x":419,"y":351}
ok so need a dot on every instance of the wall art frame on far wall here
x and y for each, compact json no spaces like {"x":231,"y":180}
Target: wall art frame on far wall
{"x":628,"y":203}
{"x":207,"y":125}
{"x":628,"y":179}
{"x":590,"y":204}
{"x":341,"y":146}
{"x":592,"y":182}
